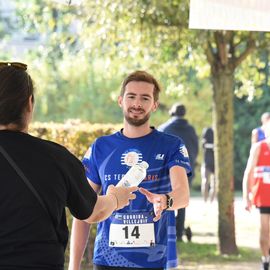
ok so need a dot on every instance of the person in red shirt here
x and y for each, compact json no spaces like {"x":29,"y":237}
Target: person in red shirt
{"x":258,"y":134}
{"x":256,"y":190}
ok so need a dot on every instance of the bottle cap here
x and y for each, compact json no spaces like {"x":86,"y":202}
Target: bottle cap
{"x":144,"y":164}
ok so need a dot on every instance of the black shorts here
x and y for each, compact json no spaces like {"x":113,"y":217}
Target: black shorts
{"x":264,"y":210}
{"x":104,"y":267}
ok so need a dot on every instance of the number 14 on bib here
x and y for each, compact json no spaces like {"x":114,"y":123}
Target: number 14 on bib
{"x":138,"y":234}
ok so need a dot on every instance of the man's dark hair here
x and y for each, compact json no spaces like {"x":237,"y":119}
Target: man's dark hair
{"x":16,"y":86}
{"x":178,"y":110}
{"x":142,"y":76}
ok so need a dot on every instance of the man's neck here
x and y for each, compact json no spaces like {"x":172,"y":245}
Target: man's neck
{"x":131,"y":131}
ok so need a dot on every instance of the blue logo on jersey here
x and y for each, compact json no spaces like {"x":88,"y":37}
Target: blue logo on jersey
{"x":131,"y":157}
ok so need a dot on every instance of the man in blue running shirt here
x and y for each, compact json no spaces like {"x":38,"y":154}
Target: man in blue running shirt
{"x":141,"y":235}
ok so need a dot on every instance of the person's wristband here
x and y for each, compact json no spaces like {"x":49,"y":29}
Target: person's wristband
{"x":169,"y":201}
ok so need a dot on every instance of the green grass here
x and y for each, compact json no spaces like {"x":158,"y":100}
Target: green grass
{"x":195,"y":192}
{"x":208,"y":253}
{"x":193,"y":253}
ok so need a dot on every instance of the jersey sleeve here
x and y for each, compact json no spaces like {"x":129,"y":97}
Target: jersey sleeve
{"x":179,"y":156}
{"x":81,"y":197}
{"x":90,"y":164}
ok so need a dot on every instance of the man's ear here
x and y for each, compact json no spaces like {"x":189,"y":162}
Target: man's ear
{"x":120,"y":100}
{"x":155,"y":106}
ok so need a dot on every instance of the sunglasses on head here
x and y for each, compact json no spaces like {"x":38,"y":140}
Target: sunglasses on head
{"x":14,"y":64}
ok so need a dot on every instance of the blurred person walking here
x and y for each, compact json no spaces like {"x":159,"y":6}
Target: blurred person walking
{"x":208,"y":185}
{"x":258,"y":134}
{"x":256,"y":189}
{"x":178,"y":126}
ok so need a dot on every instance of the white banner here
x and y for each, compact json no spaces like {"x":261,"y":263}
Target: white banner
{"x":250,"y":15}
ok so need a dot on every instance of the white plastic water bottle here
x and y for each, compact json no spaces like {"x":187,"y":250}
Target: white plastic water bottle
{"x":134,"y":176}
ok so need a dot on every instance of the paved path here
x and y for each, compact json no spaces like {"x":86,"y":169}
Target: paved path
{"x":227,"y":266}
{"x":247,"y":224}
{"x":198,"y":216}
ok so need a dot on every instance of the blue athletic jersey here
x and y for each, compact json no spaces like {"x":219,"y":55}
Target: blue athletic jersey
{"x":129,"y":238}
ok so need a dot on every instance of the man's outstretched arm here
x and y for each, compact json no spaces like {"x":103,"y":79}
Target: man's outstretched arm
{"x":179,"y":193}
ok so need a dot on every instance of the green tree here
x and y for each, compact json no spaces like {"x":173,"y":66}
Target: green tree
{"x":70,"y":83}
{"x":224,"y":57}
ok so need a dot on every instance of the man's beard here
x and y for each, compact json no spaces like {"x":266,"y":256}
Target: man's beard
{"x":137,"y":122}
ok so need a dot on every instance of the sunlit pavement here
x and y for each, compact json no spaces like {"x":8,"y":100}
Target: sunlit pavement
{"x":227,"y":266}
{"x":203,"y":220}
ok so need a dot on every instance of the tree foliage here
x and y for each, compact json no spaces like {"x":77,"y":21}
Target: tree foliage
{"x":85,"y":53}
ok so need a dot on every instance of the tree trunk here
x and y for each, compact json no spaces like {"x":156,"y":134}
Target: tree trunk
{"x":223,"y":85}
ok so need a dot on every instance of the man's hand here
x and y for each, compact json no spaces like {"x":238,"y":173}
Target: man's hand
{"x":123,"y":195}
{"x":159,"y":202}
{"x":248,"y":204}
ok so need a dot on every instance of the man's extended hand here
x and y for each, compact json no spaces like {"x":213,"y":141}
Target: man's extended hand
{"x":159,"y":202}
{"x":248,"y":204}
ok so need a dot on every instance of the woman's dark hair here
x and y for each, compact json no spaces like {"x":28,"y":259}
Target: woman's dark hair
{"x":16,"y":86}
{"x":141,"y":76}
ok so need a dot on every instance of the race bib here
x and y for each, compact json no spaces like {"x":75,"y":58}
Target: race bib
{"x":266,"y":174}
{"x":266,"y":177}
{"x":132,"y":230}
